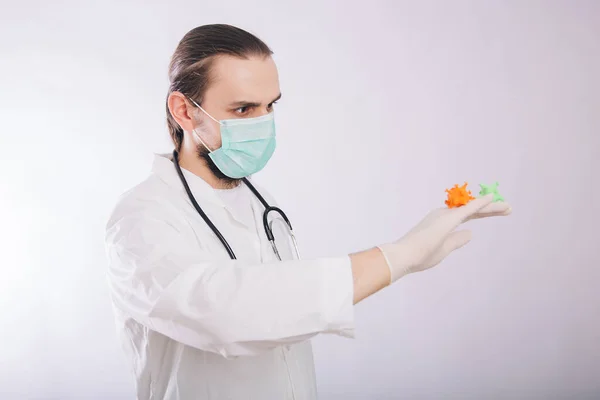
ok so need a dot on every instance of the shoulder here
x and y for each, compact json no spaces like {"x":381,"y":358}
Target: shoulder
{"x":147,"y":200}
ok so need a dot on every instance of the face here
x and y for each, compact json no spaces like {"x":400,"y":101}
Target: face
{"x":240,"y":88}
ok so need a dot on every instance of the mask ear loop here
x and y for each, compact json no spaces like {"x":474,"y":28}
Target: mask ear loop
{"x":210,"y":116}
{"x":201,"y":141}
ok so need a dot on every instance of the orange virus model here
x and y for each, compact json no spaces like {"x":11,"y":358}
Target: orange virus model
{"x":458,"y":196}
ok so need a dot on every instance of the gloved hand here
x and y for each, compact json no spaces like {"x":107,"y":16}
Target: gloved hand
{"x":430,"y":241}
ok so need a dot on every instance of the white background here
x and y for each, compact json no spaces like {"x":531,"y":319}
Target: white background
{"x":385,"y":104}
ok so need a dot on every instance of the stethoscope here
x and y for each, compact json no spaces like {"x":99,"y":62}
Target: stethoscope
{"x":268,"y":226}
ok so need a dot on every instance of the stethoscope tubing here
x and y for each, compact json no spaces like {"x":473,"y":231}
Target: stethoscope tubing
{"x":266,"y":225}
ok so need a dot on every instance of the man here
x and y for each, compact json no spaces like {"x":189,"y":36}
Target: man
{"x":206,"y":308}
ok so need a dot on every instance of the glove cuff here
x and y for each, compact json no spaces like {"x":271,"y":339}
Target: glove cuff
{"x":395,"y":273}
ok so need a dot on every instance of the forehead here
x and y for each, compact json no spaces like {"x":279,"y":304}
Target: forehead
{"x":254,"y":79}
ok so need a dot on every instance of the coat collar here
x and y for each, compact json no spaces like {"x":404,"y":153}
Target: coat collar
{"x":164,"y":168}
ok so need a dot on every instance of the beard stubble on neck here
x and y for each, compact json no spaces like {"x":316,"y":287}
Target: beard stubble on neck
{"x":204,"y":155}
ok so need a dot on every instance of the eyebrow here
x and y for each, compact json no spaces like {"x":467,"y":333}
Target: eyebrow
{"x":238,"y":104}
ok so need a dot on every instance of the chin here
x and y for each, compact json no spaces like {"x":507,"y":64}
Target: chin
{"x":226,"y":180}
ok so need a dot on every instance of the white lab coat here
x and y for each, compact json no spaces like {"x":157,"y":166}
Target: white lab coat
{"x":196,"y":324}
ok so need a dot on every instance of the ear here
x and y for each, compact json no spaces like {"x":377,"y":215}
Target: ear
{"x":181,"y":110}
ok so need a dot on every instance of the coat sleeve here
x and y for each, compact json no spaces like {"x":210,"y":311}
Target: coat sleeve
{"x":230,"y":307}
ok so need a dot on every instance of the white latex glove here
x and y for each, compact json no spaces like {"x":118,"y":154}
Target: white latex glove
{"x":430,"y":241}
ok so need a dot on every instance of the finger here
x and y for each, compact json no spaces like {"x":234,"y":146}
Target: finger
{"x":493,"y":210}
{"x":465,"y":212}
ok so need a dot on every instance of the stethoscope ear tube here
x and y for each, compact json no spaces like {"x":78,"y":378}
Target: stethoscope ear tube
{"x":267,"y":226}
{"x":291,"y":232}
{"x":268,"y":209}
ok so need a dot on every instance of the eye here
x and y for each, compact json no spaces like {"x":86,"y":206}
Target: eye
{"x":271,"y":106}
{"x":242,"y":110}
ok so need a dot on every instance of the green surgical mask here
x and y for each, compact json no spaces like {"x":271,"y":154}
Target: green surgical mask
{"x":247,"y":144}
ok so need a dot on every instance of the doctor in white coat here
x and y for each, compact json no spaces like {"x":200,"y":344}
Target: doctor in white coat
{"x":198,"y":320}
